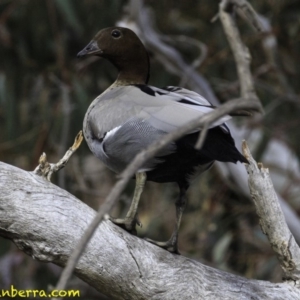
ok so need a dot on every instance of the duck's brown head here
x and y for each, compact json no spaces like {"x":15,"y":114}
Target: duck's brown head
{"x":123,"y":48}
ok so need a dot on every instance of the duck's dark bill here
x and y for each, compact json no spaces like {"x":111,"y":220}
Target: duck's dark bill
{"x":90,"y":49}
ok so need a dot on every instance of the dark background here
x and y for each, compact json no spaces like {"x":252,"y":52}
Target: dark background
{"x":45,"y":91}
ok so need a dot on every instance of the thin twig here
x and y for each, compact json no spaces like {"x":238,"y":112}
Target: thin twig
{"x":201,"y":137}
{"x":45,"y":169}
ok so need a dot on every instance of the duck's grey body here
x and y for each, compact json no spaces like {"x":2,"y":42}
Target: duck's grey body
{"x":124,"y":120}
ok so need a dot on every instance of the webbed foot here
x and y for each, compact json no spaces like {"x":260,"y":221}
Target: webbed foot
{"x":127,"y":223}
{"x":170,"y":245}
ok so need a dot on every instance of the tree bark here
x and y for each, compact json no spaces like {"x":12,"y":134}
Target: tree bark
{"x":46,"y":222}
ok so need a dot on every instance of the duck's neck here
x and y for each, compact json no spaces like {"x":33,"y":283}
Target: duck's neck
{"x":134,"y":71}
{"x":130,"y":77}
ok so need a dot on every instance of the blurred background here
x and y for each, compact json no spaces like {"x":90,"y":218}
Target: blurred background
{"x":45,"y":91}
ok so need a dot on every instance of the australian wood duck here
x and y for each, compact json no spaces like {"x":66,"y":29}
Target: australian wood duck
{"x":130,"y":115}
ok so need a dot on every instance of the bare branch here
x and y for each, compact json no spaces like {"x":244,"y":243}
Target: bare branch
{"x":201,"y":137}
{"x":45,"y":169}
{"x":272,"y":220}
{"x":118,"y":264}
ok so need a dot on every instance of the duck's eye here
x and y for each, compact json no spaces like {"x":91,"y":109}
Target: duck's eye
{"x":116,"y":33}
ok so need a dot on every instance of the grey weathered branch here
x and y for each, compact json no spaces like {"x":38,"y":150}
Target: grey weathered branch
{"x":46,"y":169}
{"x":271,"y":217}
{"x":45,"y":222}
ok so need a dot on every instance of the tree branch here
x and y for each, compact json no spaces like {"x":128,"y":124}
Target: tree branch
{"x":272,"y":220}
{"x":46,"y":169}
{"x":45,"y":222}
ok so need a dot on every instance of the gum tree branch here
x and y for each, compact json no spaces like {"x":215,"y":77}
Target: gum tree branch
{"x":45,"y":222}
{"x":271,"y":217}
{"x":46,"y":169}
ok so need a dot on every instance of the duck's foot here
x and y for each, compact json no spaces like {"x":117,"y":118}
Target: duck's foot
{"x":170,"y":245}
{"x":128,"y":224}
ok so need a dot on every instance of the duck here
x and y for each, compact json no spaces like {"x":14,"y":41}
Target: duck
{"x":130,"y":115}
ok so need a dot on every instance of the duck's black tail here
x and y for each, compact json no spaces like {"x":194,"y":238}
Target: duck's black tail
{"x":218,"y":145}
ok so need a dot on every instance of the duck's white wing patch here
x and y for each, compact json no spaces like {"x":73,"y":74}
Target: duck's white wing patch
{"x":111,"y":133}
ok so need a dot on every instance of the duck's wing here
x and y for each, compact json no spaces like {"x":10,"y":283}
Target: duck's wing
{"x":168,"y":110}
{"x":165,"y":110}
